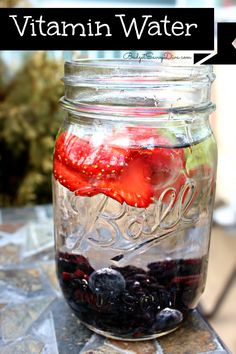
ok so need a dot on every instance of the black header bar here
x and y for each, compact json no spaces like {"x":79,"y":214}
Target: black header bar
{"x":107,"y":29}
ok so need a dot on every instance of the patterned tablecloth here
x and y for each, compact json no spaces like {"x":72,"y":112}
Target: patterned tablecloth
{"x":34,"y":317}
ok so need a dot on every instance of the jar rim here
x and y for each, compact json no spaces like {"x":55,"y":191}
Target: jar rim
{"x":135,"y":63}
{"x":119,"y":71}
{"x":110,"y":87}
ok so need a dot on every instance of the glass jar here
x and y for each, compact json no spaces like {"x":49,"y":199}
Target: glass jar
{"x":134,"y":181}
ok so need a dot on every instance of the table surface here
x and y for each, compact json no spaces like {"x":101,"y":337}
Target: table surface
{"x":34,"y":317}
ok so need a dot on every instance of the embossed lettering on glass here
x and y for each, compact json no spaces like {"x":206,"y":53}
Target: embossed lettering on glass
{"x":134,"y":181}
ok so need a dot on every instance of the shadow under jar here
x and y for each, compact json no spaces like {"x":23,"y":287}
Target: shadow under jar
{"x":133,"y":183}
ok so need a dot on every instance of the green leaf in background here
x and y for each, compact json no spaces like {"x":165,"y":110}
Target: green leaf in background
{"x":29,"y":120}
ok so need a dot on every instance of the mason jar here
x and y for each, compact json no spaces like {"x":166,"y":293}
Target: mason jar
{"x":133,"y":182}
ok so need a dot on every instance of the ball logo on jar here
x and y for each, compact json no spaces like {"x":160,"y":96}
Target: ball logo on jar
{"x":139,"y":227}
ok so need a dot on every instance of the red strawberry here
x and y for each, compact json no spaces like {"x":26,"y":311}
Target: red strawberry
{"x":71,"y":179}
{"x":174,"y":186}
{"x":97,"y":162}
{"x":123,"y":171}
{"x":70,"y":149}
{"x":132,"y":186}
{"x":166,"y":165}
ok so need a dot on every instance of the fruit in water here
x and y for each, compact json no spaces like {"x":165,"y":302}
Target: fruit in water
{"x":167,"y":319}
{"x":166,"y":165}
{"x":107,"y":282}
{"x":93,"y":161}
{"x":130,"y":301}
{"x":130,"y":169}
{"x":71,"y":179}
{"x":133,"y":185}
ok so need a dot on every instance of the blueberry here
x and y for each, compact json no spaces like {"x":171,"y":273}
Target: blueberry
{"x":130,"y":301}
{"x":168,"y":319}
{"x":107,"y":282}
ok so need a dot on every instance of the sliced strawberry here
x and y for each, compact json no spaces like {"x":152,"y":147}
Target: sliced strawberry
{"x":71,"y":179}
{"x":105,"y":162}
{"x":132,"y":186}
{"x":166,"y":165}
{"x":71,"y":149}
{"x":130,"y":171}
{"x":100,"y":162}
{"x":171,"y":189}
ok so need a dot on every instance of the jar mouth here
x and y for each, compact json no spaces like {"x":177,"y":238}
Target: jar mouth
{"x":132,"y":72}
{"x":127,"y":88}
{"x":127,"y":63}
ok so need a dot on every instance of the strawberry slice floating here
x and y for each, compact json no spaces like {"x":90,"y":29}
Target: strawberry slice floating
{"x":132,"y":186}
{"x":129,"y":167}
{"x":71,"y":179}
{"x":166,"y":166}
{"x":70,"y":149}
{"x":102,"y":161}
{"x":166,"y":163}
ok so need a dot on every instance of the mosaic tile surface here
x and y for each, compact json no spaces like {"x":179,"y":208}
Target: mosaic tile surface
{"x":10,"y":254}
{"x":27,"y":345}
{"x":23,"y":280}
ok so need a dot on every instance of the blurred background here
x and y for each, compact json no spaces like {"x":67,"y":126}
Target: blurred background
{"x":30,"y":87}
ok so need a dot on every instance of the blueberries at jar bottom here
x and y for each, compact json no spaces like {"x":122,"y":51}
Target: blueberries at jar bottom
{"x":131,"y":302}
